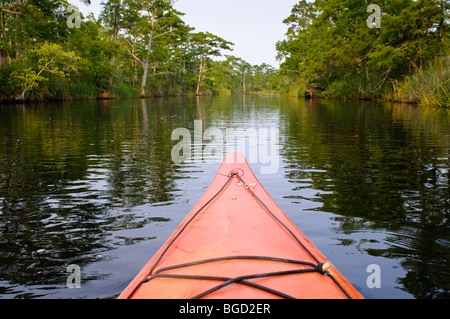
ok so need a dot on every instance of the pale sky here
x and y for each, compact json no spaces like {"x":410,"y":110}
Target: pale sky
{"x":254,"y":26}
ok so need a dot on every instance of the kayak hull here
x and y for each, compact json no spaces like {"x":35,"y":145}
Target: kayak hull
{"x":236,"y":243}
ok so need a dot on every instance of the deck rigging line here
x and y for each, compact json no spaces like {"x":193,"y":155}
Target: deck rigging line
{"x":313,"y":268}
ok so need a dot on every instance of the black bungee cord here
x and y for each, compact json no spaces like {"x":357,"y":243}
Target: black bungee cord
{"x":319,"y":267}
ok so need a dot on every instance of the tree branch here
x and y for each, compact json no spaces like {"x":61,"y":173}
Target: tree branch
{"x":9,"y":11}
{"x":46,"y":65}
{"x":134,"y":56}
{"x":160,"y":35}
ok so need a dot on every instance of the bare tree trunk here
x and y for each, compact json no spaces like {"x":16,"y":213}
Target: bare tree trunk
{"x":2,"y":38}
{"x":16,"y":40}
{"x":2,"y":59}
{"x":111,"y":78}
{"x":145,"y":66}
{"x":244,"y":81}
{"x":441,"y":23}
{"x":200,"y":77}
{"x":115,"y":36}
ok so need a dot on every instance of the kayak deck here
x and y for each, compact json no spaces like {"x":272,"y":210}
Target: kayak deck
{"x":236,"y":243}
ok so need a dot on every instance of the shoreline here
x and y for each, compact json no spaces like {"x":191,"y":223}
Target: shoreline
{"x":14,"y":101}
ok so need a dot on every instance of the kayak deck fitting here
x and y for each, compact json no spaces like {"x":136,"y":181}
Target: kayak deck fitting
{"x":236,"y":243}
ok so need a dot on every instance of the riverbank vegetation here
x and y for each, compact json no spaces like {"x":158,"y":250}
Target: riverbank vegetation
{"x":144,"y":48}
{"x":332,"y":50}
{"x":134,"y":48}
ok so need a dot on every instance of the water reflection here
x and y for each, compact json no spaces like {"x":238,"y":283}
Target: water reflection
{"x":63,"y":171}
{"x":379,"y":168}
{"x":80,"y":180}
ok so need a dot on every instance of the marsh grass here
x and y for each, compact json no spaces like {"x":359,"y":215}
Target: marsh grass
{"x":428,"y":86}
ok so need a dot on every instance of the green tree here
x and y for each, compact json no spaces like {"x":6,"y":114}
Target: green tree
{"x":96,"y":48}
{"x":329,"y":43}
{"x":205,"y":45}
{"x":113,"y":17}
{"x":149,"y":24}
{"x":48,"y":59}
{"x":135,"y":45}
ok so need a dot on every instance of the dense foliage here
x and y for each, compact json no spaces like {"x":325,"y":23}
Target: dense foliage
{"x":330,"y":46}
{"x":134,"y":48}
{"x":144,"y":48}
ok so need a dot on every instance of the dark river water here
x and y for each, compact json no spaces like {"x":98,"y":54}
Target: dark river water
{"x":94,"y":184}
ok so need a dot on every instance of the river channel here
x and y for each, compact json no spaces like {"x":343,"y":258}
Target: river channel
{"x":95,"y":184}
